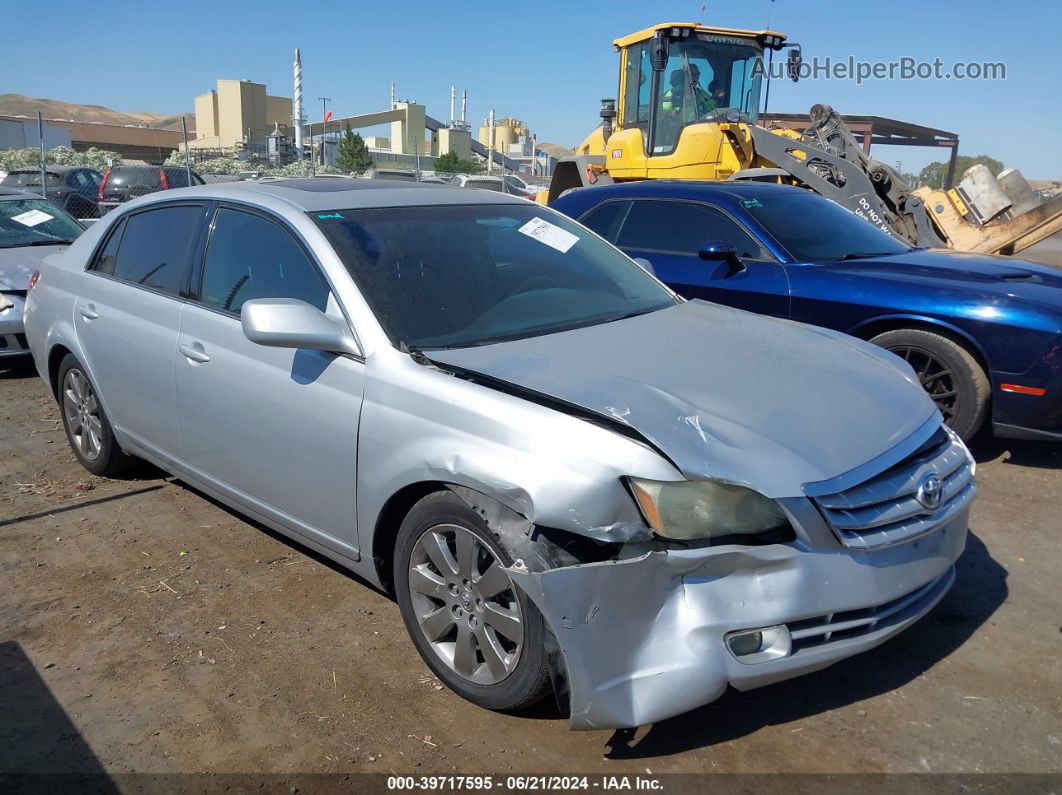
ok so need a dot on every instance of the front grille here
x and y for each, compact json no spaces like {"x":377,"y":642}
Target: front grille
{"x":835,"y":627}
{"x":885,"y":509}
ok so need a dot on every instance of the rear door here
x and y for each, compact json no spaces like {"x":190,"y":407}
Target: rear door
{"x":128,"y":315}
{"x":670,"y":233}
{"x":274,"y":428}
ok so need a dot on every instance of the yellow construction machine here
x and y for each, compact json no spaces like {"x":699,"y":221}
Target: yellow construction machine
{"x":689,"y":106}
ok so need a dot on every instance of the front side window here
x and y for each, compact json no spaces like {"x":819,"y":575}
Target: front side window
{"x":249,"y":256}
{"x":460,"y":275}
{"x":679,"y":227}
{"x":35,"y":222}
{"x":156,"y":247}
{"x":814,"y":229}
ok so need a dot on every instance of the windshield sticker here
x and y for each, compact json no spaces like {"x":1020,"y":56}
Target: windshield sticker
{"x":748,"y":204}
{"x":32,"y":217}
{"x":553,"y":236}
{"x":325,"y":216}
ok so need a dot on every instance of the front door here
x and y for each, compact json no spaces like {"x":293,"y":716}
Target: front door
{"x":670,"y":233}
{"x":274,"y":428}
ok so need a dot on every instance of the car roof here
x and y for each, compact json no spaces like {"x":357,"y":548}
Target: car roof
{"x":49,"y":169}
{"x":311,"y":194}
{"x":726,"y":192}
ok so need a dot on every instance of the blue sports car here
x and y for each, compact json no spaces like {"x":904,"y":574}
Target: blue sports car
{"x":984,"y":333}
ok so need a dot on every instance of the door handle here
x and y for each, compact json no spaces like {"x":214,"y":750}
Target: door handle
{"x":88,"y":311}
{"x":194,"y":352}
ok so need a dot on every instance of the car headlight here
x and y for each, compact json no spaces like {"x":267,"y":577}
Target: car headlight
{"x":690,"y":510}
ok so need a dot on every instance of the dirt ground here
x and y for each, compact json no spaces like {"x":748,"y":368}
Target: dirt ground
{"x":145,"y":628}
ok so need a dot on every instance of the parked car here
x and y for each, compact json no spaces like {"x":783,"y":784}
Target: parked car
{"x":402,"y":174}
{"x":481,"y":181}
{"x":31,"y":228}
{"x":984,"y":333}
{"x":124,"y":182}
{"x":462,"y":396}
{"x":72,"y":188}
{"x":516,"y":185}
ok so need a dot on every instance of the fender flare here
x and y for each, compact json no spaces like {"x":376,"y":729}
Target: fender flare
{"x":924,"y":320}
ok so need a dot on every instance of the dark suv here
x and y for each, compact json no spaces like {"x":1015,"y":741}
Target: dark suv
{"x":122,"y":183}
{"x":73,"y":188}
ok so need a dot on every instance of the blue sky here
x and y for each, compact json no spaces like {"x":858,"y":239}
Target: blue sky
{"x":548,"y":63}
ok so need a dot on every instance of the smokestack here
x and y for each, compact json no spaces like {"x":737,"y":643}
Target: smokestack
{"x":490,"y":141}
{"x":297,"y":117}
{"x":453,"y":103}
{"x":464,"y":104}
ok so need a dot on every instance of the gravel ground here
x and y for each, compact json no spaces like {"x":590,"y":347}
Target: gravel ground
{"x":144,"y":627}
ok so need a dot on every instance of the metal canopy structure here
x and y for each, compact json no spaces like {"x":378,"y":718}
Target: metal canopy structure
{"x":879,"y":130}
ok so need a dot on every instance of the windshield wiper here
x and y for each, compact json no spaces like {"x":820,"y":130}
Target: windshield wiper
{"x":868,"y":254}
{"x":46,"y":243}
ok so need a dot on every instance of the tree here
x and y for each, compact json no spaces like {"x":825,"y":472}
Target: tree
{"x":353,"y":153}
{"x":935,"y":174}
{"x":450,"y":163}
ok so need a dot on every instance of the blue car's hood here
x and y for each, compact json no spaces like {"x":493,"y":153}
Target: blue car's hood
{"x":726,"y":394}
{"x":981,"y":274}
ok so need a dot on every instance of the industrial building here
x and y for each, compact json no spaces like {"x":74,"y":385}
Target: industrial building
{"x":149,"y":144}
{"x":239,"y":115}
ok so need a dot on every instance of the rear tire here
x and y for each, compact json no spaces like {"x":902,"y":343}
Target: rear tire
{"x":950,"y":375}
{"x":88,"y":431}
{"x":456,"y":600}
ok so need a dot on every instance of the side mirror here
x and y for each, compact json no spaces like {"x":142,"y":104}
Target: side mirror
{"x":793,"y":64}
{"x":288,"y":323}
{"x":645,"y":265}
{"x":659,"y":46}
{"x":721,"y":251}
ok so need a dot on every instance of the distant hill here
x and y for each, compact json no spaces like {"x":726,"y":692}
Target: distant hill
{"x":554,"y":150}
{"x":20,"y":105}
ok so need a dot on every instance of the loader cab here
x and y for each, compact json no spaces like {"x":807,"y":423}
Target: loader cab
{"x":676,"y":76}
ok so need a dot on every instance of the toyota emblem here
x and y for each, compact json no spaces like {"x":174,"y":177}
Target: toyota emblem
{"x":930,"y":492}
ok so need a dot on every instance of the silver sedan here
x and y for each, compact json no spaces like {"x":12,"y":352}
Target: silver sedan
{"x":570,"y":478}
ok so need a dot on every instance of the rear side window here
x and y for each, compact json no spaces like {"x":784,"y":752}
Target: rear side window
{"x":605,"y":219}
{"x":156,"y":247}
{"x":251,"y":257}
{"x":680,"y":227}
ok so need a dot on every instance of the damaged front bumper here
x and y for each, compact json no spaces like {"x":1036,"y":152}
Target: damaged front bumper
{"x":644,"y":639}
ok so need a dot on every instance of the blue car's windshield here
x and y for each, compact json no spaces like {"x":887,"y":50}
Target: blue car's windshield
{"x":461,"y":275}
{"x":35,"y":222}
{"x":814,"y":229}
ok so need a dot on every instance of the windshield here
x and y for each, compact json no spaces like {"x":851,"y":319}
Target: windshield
{"x":461,"y":275}
{"x":814,"y":229}
{"x":705,"y":76}
{"x":35,"y":222}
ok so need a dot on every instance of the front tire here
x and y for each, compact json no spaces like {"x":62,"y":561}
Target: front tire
{"x":477,"y":632}
{"x":88,"y":430}
{"x":950,"y":375}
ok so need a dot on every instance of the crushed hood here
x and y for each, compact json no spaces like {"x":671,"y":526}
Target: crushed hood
{"x":726,"y":394}
{"x":18,"y":264}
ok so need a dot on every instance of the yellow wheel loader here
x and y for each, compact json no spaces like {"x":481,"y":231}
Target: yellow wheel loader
{"x":688,"y":108}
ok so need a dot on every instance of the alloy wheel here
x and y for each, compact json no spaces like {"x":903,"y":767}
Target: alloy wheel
{"x":465,"y":604}
{"x":82,"y":413}
{"x":935,"y":376}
